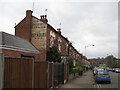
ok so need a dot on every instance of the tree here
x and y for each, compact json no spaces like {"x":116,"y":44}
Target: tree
{"x":111,"y":61}
{"x":53,"y":55}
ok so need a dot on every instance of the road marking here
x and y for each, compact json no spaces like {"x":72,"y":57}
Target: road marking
{"x":99,"y":86}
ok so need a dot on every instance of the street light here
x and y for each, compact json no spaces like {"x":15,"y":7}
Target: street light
{"x":86,"y":47}
{"x":85,"y":51}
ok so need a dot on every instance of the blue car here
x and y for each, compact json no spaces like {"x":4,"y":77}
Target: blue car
{"x":102,"y":76}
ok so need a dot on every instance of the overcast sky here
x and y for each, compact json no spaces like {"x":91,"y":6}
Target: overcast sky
{"x":84,"y":23}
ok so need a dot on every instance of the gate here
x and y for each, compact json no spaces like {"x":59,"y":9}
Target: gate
{"x":58,"y":73}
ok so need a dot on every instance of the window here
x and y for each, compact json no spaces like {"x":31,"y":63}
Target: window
{"x":59,"y":44}
{"x":52,"y":37}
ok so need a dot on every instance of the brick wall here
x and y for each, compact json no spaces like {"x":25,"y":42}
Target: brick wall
{"x":23,"y":29}
{"x":38,"y":36}
{"x":17,"y":54}
{"x":37,"y":31}
{"x":64,"y":48}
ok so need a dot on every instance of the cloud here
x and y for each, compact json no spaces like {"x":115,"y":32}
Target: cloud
{"x":83,"y":23}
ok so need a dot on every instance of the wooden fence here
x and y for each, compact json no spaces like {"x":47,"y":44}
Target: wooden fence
{"x":61,"y":73}
{"x":41,"y":74}
{"x":66,"y":72}
{"x":25,"y":73}
{"x":18,"y":73}
{"x":1,"y":70}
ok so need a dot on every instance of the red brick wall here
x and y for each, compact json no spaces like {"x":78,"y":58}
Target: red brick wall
{"x":57,"y":35}
{"x":43,"y":55}
{"x":17,"y":54}
{"x":23,"y":29}
{"x":48,"y":38}
{"x":73,"y":52}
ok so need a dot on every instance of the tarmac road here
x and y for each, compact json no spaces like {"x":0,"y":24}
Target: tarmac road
{"x":87,"y":81}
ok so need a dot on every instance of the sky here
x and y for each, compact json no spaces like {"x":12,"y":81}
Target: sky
{"x":83,"y":22}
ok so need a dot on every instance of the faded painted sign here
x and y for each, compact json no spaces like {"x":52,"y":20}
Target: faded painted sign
{"x":39,"y":33}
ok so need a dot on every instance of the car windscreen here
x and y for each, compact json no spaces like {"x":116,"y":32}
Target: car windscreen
{"x":102,"y":73}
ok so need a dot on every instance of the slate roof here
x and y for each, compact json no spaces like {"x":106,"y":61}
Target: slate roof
{"x":15,"y":41}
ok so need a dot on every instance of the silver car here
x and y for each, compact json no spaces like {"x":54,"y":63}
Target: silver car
{"x":117,"y":70}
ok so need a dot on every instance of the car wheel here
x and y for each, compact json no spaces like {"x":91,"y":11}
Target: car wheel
{"x":97,"y":82}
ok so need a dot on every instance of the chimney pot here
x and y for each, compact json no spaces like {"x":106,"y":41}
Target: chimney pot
{"x":43,"y":18}
{"x":40,"y":17}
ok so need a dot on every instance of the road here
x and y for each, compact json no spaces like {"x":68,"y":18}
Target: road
{"x":87,"y":81}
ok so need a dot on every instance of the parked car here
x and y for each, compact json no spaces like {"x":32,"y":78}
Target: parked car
{"x":109,"y":69}
{"x":102,"y":76}
{"x":96,"y":70}
{"x":113,"y":70}
{"x":117,"y":70}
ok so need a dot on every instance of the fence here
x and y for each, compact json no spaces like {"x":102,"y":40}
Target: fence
{"x":18,"y":73}
{"x":58,"y":74}
{"x":61,"y":73}
{"x":41,"y":75}
{"x":25,"y":73}
{"x":51,"y":75}
{"x":66,"y":72}
{"x":1,"y":70}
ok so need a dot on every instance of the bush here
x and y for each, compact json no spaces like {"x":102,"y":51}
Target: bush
{"x":74,"y":70}
{"x":77,"y":69}
{"x":53,"y":55}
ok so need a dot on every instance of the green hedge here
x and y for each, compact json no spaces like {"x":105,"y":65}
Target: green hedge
{"x":77,"y":69}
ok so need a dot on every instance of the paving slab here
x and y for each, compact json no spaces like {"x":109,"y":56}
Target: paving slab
{"x":84,"y":81}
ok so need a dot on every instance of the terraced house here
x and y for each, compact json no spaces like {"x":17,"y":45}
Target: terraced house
{"x":23,"y":56}
{"x":43,"y":36}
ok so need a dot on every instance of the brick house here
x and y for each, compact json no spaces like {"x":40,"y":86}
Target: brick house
{"x":43,"y":36}
{"x":13,"y":46}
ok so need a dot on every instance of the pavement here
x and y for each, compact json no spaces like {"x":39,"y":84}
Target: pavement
{"x":84,"y":81}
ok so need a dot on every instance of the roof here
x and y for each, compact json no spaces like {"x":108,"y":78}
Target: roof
{"x":15,"y":42}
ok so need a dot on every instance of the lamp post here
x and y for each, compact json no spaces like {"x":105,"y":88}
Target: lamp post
{"x":85,"y":52}
{"x":86,"y":47}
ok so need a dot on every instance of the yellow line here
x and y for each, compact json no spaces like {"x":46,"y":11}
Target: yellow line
{"x":98,"y":86}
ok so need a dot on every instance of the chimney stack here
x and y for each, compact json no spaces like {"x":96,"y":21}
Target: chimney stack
{"x":29,"y":13}
{"x":59,"y":30}
{"x":43,"y":18}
